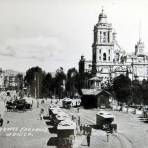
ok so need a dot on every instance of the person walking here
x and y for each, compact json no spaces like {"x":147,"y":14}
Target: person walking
{"x":90,"y":130}
{"x":81,"y":129}
{"x":41,"y":113}
{"x":107,"y":135}
{"x":78,"y":109}
{"x":88,"y":139}
{"x":1,"y":121}
{"x":84,"y":129}
{"x":79,"y":120}
{"x":87,"y":129}
{"x":37,"y":103}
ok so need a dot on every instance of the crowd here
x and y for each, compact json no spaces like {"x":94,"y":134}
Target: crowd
{"x":83,"y":129}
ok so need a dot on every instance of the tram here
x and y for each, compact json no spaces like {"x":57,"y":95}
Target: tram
{"x":104,"y":119}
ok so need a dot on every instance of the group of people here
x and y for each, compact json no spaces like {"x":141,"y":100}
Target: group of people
{"x":86,"y":130}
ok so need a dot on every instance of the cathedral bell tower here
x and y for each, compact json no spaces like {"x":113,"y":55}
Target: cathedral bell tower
{"x":139,"y":48}
{"x":103,"y":44}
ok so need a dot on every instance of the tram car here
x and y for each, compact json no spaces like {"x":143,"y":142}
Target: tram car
{"x":68,"y":103}
{"x":104,"y":120}
{"x":66,"y":133}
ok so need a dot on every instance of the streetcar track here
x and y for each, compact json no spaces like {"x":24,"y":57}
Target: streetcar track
{"x":129,"y":140}
{"x":117,"y":136}
{"x":120,"y":141}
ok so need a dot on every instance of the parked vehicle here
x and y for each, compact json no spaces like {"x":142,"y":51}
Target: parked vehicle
{"x":104,"y":121}
{"x":18,"y":105}
{"x":68,"y":103}
{"x":66,"y":134}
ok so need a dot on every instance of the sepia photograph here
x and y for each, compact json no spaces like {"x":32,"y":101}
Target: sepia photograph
{"x":73,"y":74}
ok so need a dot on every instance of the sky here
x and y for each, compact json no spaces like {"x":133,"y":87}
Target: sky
{"x":55,"y":33}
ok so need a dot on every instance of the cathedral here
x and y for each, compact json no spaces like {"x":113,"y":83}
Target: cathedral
{"x":109,"y":59}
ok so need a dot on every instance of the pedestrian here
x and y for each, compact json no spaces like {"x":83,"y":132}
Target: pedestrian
{"x":79,"y":120}
{"x":84,"y":129}
{"x":107,"y":135}
{"x":81,"y":129}
{"x":78,"y":110}
{"x":72,"y":117}
{"x":88,"y":139}
{"x":32,"y":102}
{"x":87,"y":129}
{"x":37,"y":103}
{"x":41,"y":113}
{"x":1,"y":121}
{"x":90,"y":130}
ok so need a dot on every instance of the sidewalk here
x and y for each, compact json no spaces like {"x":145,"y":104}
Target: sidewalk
{"x":31,"y":132}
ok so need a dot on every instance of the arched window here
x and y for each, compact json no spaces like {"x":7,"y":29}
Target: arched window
{"x":104,"y":56}
{"x":109,"y":51}
{"x":100,"y":36}
{"x":108,"y":58}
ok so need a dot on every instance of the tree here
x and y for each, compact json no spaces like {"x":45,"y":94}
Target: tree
{"x":33,"y":80}
{"x":19,"y":80}
{"x":122,"y":88}
{"x":137,"y":94}
{"x":72,"y":81}
{"x":145,"y":91}
{"x":59,"y":82}
{"x":47,"y":85}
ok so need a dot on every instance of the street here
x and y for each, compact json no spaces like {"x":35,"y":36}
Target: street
{"x":32,"y":132}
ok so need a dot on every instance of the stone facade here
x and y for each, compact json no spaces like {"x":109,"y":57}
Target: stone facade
{"x":109,"y":60}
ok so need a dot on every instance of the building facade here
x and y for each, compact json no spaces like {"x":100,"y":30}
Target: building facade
{"x":109,"y":59}
{"x":10,"y":80}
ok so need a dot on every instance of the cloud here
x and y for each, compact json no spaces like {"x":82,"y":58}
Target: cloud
{"x":38,"y":48}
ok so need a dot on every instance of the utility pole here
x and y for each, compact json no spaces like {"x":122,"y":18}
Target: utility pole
{"x":35,"y":86}
{"x":132,"y":64}
{"x":38,"y":82}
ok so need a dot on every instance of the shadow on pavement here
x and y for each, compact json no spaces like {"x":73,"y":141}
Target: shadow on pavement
{"x":49,"y":123}
{"x":145,"y":121}
{"x":52,"y":130}
{"x":53,"y":141}
{"x":84,"y":145}
{"x":94,"y":126}
{"x":46,"y":117}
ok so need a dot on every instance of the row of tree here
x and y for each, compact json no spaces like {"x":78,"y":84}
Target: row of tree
{"x":130,"y":92}
{"x":42,"y":84}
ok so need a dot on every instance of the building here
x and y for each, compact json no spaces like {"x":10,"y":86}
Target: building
{"x":95,"y":97}
{"x":10,"y":79}
{"x":109,"y":59}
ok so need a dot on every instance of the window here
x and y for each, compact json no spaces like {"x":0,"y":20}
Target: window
{"x":104,"y":37}
{"x":100,"y":58}
{"x":109,"y":51}
{"x":108,"y":36}
{"x":108,"y":58}
{"x":100,"y":51}
{"x":100,"y":36}
{"x":104,"y":56}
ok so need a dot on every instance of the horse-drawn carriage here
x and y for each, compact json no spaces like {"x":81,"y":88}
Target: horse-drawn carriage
{"x":18,"y":105}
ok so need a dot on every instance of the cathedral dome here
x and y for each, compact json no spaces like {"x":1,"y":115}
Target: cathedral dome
{"x":102,"y":17}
